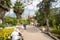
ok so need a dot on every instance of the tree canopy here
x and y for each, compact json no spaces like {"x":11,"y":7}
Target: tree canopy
{"x":5,"y":4}
{"x":18,"y":8}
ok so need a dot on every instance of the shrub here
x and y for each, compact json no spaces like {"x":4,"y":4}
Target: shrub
{"x":10,"y":20}
{"x":55,"y":31}
{"x":2,"y":25}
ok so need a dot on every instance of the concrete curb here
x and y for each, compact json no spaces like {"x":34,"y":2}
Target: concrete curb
{"x":53,"y":37}
{"x":50,"y":34}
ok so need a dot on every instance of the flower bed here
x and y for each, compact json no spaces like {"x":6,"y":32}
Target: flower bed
{"x":5,"y":32}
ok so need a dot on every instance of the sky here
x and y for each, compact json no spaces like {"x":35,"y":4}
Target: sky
{"x":29,"y":9}
{"x":57,"y":4}
{"x":10,"y":13}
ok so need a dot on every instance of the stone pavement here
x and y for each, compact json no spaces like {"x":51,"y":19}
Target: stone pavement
{"x":33,"y":33}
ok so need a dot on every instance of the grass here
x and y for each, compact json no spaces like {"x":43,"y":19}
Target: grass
{"x":55,"y":32}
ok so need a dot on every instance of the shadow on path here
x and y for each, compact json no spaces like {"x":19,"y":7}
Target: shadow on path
{"x":33,"y":29}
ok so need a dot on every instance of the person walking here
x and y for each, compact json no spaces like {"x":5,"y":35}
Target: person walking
{"x":24,"y":25}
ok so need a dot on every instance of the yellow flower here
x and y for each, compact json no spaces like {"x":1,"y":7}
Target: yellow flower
{"x":6,"y":32}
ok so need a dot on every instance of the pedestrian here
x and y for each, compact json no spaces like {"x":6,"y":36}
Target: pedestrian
{"x":16,"y":35}
{"x":24,"y":25}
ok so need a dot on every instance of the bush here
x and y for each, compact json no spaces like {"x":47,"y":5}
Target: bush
{"x":2,"y":25}
{"x":55,"y":31}
{"x":10,"y":20}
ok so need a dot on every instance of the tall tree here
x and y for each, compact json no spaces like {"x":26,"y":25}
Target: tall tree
{"x":18,"y":9}
{"x":44,"y":8}
{"x":5,"y":5}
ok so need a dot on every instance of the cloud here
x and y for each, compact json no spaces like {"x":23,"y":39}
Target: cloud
{"x":28,"y":8}
{"x":10,"y":13}
{"x":35,"y":2}
{"x":13,"y":1}
{"x":33,"y":6}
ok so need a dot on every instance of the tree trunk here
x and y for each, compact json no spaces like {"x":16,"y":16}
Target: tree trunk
{"x":47,"y":14}
{"x":2,"y":13}
{"x":17,"y":16}
{"x":47,"y":24}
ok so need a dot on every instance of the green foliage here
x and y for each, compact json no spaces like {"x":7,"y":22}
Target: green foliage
{"x":54,"y":19}
{"x":21,"y":20}
{"x":5,"y":4}
{"x":45,"y":12}
{"x":10,"y":20}
{"x":57,"y":18}
{"x":8,"y":3}
{"x":2,"y":25}
{"x":55,"y":31}
{"x":18,"y":7}
{"x":27,"y":21}
{"x":40,"y":18}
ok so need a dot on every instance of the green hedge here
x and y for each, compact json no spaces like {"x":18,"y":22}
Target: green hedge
{"x":55,"y":31}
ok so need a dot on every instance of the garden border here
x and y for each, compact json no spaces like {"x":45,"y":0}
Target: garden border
{"x":50,"y":34}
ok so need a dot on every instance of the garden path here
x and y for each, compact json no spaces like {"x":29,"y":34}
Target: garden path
{"x":33,"y":33}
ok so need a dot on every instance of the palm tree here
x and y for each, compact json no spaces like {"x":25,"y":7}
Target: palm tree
{"x":18,"y":9}
{"x":5,"y":5}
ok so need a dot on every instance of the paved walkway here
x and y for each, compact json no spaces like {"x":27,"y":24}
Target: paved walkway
{"x":33,"y":33}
